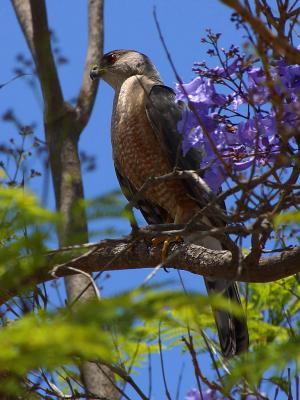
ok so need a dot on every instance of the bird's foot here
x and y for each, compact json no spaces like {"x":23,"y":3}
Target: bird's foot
{"x":166,"y":245}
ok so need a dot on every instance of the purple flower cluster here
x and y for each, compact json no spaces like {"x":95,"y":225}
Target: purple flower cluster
{"x":209,"y":394}
{"x":238,"y":129}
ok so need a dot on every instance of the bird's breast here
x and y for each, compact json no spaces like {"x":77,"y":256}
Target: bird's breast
{"x":137,"y":152}
{"x":136,"y":149}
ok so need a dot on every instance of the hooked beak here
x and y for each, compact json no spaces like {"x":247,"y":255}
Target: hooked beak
{"x":96,"y":72}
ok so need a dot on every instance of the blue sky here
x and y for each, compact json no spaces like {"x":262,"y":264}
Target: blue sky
{"x":128,"y":24}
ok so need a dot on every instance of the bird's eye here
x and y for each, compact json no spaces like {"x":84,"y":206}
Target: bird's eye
{"x":112,"y":58}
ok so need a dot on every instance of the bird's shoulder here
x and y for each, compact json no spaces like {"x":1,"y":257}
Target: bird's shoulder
{"x":136,"y":84}
{"x":130,"y":98}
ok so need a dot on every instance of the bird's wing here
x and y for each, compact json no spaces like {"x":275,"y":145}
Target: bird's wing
{"x":164,"y":114}
{"x":152,"y":213}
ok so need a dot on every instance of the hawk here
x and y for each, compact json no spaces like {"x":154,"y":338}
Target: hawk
{"x":145,"y":144}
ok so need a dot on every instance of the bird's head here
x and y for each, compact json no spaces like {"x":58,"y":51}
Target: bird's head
{"x":118,"y":65}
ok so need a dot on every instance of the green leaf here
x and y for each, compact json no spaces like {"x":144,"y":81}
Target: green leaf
{"x":65,"y":336}
{"x":292,"y":217}
{"x":252,"y":366}
{"x":25,"y":228}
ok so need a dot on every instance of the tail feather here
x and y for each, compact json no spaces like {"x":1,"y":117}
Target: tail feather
{"x":232,"y":331}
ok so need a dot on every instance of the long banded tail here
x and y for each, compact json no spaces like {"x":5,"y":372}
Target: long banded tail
{"x":232,"y":331}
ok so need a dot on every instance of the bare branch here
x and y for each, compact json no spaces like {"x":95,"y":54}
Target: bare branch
{"x":188,"y":257}
{"x":45,"y":64}
{"x":190,"y":346}
{"x":32,"y":16}
{"x":89,"y":87}
{"x":121,"y":254}
{"x":282,"y":46}
{"x":23,"y":12}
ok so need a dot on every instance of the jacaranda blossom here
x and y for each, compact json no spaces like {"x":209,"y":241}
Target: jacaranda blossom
{"x":236,"y":131}
{"x":209,"y":394}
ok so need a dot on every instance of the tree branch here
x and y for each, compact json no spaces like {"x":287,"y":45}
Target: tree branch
{"x":23,"y":12}
{"x":52,"y":93}
{"x":89,"y":87}
{"x":282,"y":46}
{"x":121,"y":254}
{"x":32,"y":16}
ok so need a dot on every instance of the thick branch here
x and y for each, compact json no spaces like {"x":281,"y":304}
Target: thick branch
{"x":32,"y":16}
{"x":89,"y":87}
{"x":45,"y":64}
{"x":23,"y":12}
{"x":121,"y":254}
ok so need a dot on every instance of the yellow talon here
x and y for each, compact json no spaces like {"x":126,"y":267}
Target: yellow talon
{"x":166,"y":245}
{"x":157,"y":241}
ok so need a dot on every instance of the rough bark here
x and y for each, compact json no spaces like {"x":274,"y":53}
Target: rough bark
{"x":63,"y":126}
{"x":112,"y":255}
{"x":121,"y":254}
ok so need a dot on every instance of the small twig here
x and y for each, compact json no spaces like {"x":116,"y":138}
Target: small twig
{"x":124,"y":375}
{"x":190,"y":346}
{"x":179,"y":382}
{"x":13,"y":79}
{"x":151,"y":275}
{"x":150,"y":374}
{"x":297,"y":385}
{"x":281,"y":46}
{"x":191,"y":105}
{"x":93,"y":283}
{"x":162,"y":363}
{"x":211,"y":352}
{"x":290,"y":396}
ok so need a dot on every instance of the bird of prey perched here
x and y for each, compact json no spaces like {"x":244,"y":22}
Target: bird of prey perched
{"x":146,"y":143}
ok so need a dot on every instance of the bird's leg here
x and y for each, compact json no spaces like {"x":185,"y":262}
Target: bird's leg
{"x":166,"y":245}
{"x":182,"y":215}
